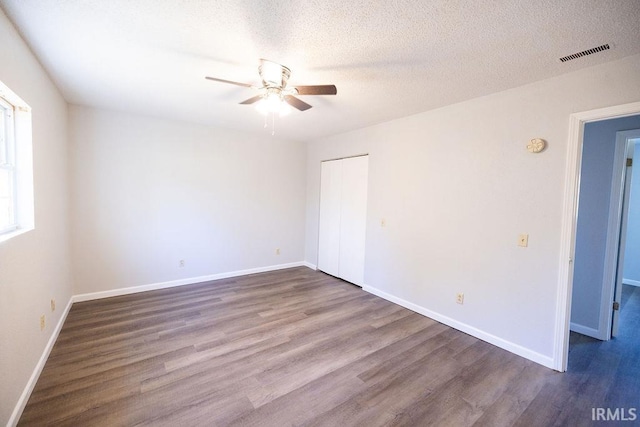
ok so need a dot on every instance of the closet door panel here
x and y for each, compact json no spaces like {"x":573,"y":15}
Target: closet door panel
{"x":330,"y":211}
{"x":353,"y":218}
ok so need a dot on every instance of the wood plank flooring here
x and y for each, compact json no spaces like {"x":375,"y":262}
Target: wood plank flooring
{"x":295,"y":347}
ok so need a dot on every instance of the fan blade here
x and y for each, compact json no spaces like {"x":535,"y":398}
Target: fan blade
{"x":229,"y":81}
{"x":252,"y":100}
{"x":297,"y":103}
{"x":317,"y":90}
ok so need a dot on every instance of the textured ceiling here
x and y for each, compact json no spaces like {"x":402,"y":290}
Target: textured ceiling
{"x":388,"y":58}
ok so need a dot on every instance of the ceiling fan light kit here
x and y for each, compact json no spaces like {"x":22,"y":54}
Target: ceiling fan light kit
{"x":274,"y":96}
{"x":272,"y":103}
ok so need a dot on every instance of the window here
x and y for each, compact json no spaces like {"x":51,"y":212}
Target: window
{"x":16,"y":166}
{"x":7,"y":168}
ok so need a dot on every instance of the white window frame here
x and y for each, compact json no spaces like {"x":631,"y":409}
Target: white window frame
{"x":16,"y":155}
{"x":7,"y":160}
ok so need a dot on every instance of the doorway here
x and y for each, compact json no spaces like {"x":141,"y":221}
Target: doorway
{"x":569,"y":233}
{"x":600,"y":237}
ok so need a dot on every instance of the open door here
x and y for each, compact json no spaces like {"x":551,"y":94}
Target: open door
{"x":615,"y":306}
{"x":627,"y":140}
{"x":630,"y":138}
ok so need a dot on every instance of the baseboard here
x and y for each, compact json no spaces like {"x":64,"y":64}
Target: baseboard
{"x":631,"y":282}
{"x":484,"y":336}
{"x":26,"y":393}
{"x":584,"y":330}
{"x":182,"y":282}
{"x":309,"y":265}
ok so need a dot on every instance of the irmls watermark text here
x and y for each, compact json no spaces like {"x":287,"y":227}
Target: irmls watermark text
{"x":613,"y":414}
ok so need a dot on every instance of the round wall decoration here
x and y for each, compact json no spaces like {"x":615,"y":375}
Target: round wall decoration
{"x":536,"y":145}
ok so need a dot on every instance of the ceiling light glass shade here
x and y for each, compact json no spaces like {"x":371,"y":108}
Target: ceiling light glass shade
{"x":273,"y":104}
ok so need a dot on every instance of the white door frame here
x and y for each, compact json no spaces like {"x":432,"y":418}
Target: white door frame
{"x":569,"y":216}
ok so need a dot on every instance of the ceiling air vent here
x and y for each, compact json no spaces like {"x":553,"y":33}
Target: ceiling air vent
{"x":585,"y":53}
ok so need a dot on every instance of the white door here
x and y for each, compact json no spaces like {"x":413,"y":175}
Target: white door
{"x":329,"y":229}
{"x":353,"y":222}
{"x":623,"y":239}
{"x":616,"y":235}
{"x":343,"y":215}
{"x":633,"y":155}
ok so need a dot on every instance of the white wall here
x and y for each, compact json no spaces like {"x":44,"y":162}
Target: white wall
{"x":593,"y":217}
{"x":34,"y":267}
{"x":147,"y":193}
{"x":631,"y":270}
{"x":456,"y":186}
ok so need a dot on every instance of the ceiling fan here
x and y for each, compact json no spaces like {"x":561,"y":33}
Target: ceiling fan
{"x":274,"y":90}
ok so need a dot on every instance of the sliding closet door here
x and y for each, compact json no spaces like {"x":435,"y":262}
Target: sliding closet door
{"x":343,"y":214}
{"x":353,"y":218}
{"x":330,"y":200}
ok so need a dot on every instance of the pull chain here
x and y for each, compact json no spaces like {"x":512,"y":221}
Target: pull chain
{"x":273,"y":122}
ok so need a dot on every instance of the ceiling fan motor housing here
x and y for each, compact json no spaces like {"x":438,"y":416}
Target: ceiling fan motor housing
{"x":273,"y":74}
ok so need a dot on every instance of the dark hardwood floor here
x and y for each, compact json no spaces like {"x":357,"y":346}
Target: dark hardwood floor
{"x":606,"y":374}
{"x":298,"y":347}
